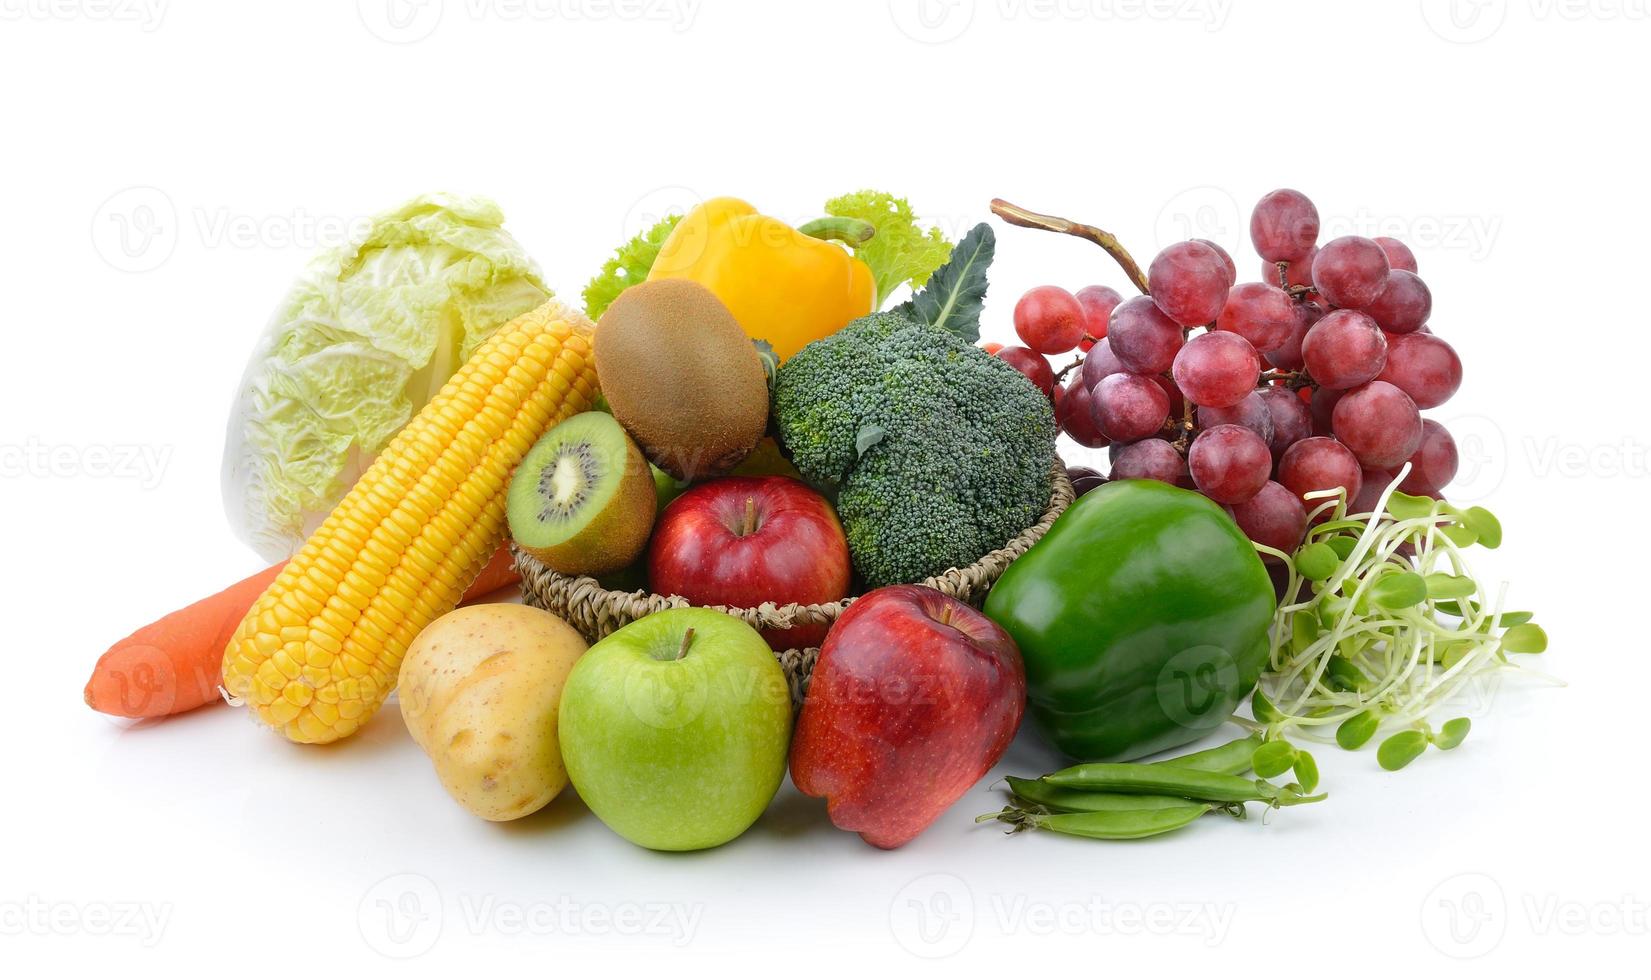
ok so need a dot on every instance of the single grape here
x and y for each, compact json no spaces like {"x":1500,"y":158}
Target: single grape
{"x":1143,"y":338}
{"x":1149,"y":459}
{"x":1033,"y":365}
{"x":1189,"y":283}
{"x":1398,"y":254}
{"x":1379,"y":423}
{"x":1129,"y":406}
{"x":1423,"y":367}
{"x":1227,"y":260}
{"x":1344,"y":350}
{"x":1292,"y":422}
{"x":1229,"y":463}
{"x":1098,"y":302}
{"x":1262,"y":314}
{"x":1284,"y":226}
{"x":1288,"y":354}
{"x":1321,"y":404}
{"x":1075,"y":414}
{"x":1433,"y":464}
{"x":1375,"y":484}
{"x":1049,"y":319}
{"x":1098,"y":363}
{"x":1217,"y":369}
{"x":1251,"y":413}
{"x":1273,"y":517}
{"x":1404,"y":305}
{"x":1350,"y":272}
{"x":1084,"y":479}
{"x":1319,"y":463}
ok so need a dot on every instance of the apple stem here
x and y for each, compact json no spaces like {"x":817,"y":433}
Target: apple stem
{"x":687,"y":638}
{"x":750,"y":526}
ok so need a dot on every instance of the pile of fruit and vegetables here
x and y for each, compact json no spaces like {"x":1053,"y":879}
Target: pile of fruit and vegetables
{"x":742,"y":414}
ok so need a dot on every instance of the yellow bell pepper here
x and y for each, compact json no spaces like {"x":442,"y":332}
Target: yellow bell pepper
{"x":782,"y":284}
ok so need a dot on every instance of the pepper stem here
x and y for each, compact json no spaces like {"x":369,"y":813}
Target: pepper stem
{"x":849,"y":231}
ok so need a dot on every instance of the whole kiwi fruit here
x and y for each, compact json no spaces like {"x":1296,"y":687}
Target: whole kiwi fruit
{"x":682,"y":378}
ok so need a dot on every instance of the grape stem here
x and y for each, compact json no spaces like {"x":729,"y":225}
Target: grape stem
{"x":1293,"y":380}
{"x":1060,"y":375}
{"x":1023,"y":218}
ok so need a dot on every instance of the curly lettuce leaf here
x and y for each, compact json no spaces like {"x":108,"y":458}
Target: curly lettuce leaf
{"x":367,"y":335}
{"x":629,"y":266}
{"x":900,"y":252}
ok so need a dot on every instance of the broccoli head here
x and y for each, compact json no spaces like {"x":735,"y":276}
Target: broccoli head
{"x":937,"y":452}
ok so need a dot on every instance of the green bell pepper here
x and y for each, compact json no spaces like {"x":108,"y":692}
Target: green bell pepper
{"x":1142,"y":617}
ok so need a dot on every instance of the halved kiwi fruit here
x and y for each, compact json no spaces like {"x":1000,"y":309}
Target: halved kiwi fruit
{"x":582,"y":501}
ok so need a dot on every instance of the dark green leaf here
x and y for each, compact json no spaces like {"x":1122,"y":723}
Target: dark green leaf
{"x":953,"y":298}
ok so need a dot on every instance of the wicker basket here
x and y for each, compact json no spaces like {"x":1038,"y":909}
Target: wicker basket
{"x":595,"y":611}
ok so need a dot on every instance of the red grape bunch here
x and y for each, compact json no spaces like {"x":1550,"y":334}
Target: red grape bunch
{"x":1254,"y":394}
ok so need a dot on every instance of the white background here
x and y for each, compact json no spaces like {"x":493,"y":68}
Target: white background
{"x":1506,"y":144}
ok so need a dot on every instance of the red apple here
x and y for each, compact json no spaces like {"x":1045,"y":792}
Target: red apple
{"x":746,"y":540}
{"x":915,"y":697}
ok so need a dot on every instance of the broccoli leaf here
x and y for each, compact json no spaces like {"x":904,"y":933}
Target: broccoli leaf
{"x":900,"y":252}
{"x":629,"y":266}
{"x":956,"y":292}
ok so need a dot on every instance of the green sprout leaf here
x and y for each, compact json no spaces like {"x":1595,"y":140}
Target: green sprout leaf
{"x":1401,"y":750}
{"x":1307,"y":771}
{"x":1454,"y":653}
{"x":1346,"y":675}
{"x":1526,"y":638}
{"x":1273,"y":759}
{"x":1443,"y":585}
{"x":1263,"y":709}
{"x":1342,"y":545}
{"x":1317,"y":561}
{"x":1303,"y":631}
{"x":1484,"y":525}
{"x":1400,"y":590}
{"x":1451,"y":733}
{"x":1460,"y":535}
{"x":1518,"y":618}
{"x":1405,"y":507}
{"x":1356,"y":731}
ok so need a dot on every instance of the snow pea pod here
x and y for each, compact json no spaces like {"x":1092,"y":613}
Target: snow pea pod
{"x":1110,"y":824}
{"x":1040,"y":793}
{"x":1191,"y":784}
{"x":1232,"y":758}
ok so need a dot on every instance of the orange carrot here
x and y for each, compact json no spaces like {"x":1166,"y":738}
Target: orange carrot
{"x":175,"y":663}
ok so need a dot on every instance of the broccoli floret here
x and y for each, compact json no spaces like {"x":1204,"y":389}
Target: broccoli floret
{"x":937,"y":451}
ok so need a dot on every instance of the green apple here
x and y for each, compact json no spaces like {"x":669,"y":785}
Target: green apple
{"x":675,"y":729}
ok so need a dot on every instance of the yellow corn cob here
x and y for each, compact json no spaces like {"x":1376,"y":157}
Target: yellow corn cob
{"x":320,"y":650}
